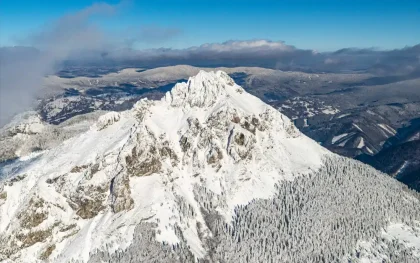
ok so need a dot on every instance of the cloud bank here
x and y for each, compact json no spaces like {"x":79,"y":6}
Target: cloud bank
{"x":74,"y":40}
{"x":22,"y":69}
{"x":273,"y":54}
{"x":251,"y":52}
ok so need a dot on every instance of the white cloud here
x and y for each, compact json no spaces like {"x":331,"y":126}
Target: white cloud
{"x":232,"y":46}
{"x":22,"y":70}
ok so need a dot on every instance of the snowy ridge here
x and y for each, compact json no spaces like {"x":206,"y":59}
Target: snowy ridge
{"x":170,"y":179}
{"x":27,"y":133}
{"x":25,"y":123}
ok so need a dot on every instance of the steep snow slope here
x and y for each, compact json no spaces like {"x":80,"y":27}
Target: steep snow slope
{"x":190,"y":177}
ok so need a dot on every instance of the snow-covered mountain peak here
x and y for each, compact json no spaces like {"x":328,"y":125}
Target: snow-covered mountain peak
{"x":202,"y":90}
{"x":144,"y":163}
{"x":182,"y":171}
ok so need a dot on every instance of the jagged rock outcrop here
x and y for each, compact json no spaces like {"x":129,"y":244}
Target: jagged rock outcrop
{"x":121,"y":194}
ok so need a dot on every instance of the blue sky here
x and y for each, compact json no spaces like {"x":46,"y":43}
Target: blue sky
{"x":320,"y":25}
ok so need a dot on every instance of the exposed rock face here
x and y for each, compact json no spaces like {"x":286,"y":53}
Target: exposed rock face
{"x":121,"y":194}
{"x":145,"y":162}
{"x":144,"y":159}
{"x":88,"y":197}
{"x":167,"y":153}
{"x":78,"y":169}
{"x":47,"y":252}
{"x":3,"y":195}
{"x":35,"y":215}
{"x":149,"y":153}
{"x":15,"y":179}
{"x":33,"y":237}
{"x":87,"y":206}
